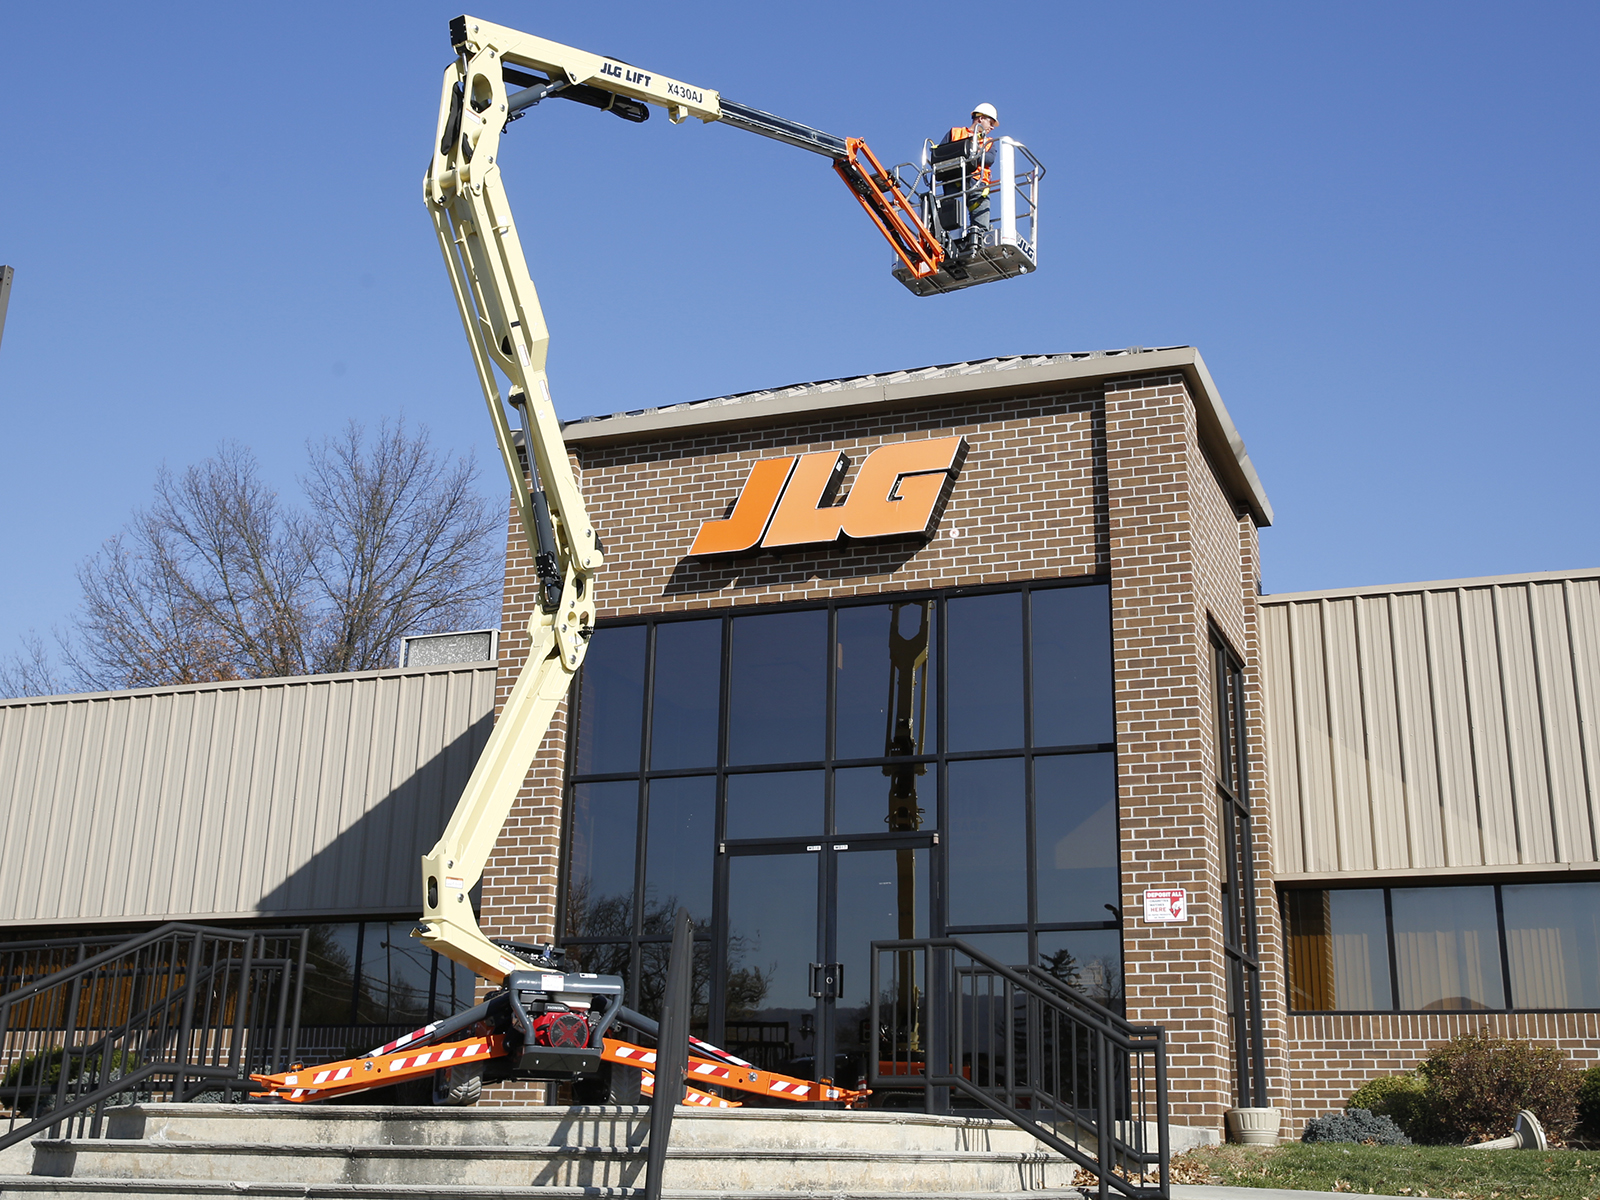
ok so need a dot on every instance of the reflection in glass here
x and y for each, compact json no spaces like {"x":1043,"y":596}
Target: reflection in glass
{"x":985,"y":671}
{"x":1338,"y":951}
{"x":654,"y":959}
{"x":1087,"y":959}
{"x":1553,"y":944}
{"x":884,"y":699}
{"x":329,"y":997}
{"x":1008,"y":949}
{"x":678,"y":851}
{"x":611,"y":702}
{"x":775,"y":804}
{"x":882,"y":896}
{"x":609,"y":958}
{"x":1071,"y":637}
{"x":687,"y":691}
{"x":1075,"y":835}
{"x":772,"y":940}
{"x":600,"y":851}
{"x":883,"y":800}
{"x":396,"y":972}
{"x":778,"y":688}
{"x":988,"y":843}
{"x":1447,"y":948}
{"x":453,"y":987}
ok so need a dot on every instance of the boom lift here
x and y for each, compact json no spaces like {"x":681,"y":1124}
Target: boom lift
{"x":545,"y":1022}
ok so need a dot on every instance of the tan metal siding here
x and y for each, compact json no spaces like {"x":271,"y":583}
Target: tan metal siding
{"x":266,"y":798}
{"x":1582,"y":610}
{"x":1433,"y":727}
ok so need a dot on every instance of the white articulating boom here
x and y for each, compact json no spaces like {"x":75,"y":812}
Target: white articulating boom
{"x":546,"y":1023}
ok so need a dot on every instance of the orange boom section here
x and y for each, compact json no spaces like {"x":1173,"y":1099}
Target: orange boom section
{"x":889,"y":209}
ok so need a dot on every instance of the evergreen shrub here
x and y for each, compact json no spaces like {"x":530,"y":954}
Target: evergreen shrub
{"x":1355,"y":1125}
{"x":1404,"y":1099}
{"x":1589,"y":1102}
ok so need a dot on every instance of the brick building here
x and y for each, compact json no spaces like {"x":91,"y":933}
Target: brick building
{"x":1086,"y":599}
{"x":976,"y":650}
{"x":1404,"y":843}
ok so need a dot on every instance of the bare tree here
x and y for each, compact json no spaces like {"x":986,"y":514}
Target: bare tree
{"x":397,"y":541}
{"x":30,"y":671}
{"x":219,"y":580}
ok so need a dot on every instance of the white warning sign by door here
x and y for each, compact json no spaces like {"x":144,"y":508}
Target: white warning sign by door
{"x":1166,"y":904}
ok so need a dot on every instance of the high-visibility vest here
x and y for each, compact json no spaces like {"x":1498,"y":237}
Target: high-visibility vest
{"x":981,"y":172}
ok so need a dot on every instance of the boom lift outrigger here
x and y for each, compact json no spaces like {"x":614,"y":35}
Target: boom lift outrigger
{"x":544,"y":1022}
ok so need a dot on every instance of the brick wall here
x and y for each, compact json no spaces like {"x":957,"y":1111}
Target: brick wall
{"x":1054,"y":485}
{"x":1023,"y":506}
{"x":1334,"y":1055}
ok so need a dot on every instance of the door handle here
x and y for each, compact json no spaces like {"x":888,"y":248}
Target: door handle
{"x":827,"y":980}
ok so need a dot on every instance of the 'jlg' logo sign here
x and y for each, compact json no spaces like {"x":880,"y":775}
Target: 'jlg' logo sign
{"x":789,"y":501}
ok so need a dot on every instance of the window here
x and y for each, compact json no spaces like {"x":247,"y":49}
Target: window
{"x":984,"y":716}
{"x":376,"y":973}
{"x":1444,"y":949}
{"x":1552,"y":935}
{"x":1338,"y":950}
{"x":1231,"y":762}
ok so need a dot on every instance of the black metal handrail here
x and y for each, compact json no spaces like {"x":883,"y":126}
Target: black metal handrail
{"x":957,"y":1024}
{"x":181,"y":1011}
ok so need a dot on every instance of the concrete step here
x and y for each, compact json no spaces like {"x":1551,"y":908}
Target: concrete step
{"x":31,"y":1186}
{"x":365,"y":1153}
{"x":687,"y":1167}
{"x":747,"y":1128}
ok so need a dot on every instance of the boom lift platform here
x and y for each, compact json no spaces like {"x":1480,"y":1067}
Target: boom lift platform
{"x":544,"y":1022}
{"x":974,"y":254}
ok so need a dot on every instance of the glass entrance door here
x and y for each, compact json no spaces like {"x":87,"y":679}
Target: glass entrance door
{"x":879,"y":893}
{"x":801,"y":920}
{"x":771,"y":943}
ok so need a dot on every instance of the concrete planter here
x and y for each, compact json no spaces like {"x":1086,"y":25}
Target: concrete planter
{"x":1254,"y":1126}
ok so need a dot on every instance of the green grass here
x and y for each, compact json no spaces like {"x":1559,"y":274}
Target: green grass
{"x":1435,"y":1172}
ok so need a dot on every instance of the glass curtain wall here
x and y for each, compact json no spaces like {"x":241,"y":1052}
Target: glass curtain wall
{"x":965,"y":738}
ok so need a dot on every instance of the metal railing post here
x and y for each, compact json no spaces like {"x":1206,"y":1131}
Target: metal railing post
{"x":241,"y":998}
{"x":1106,"y":1128}
{"x":299,"y":985}
{"x":1008,"y":192}
{"x":1163,"y":1142}
{"x":67,"y":1034}
{"x":186,"y":1023}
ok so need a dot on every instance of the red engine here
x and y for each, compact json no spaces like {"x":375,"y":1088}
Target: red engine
{"x":567,"y":1030}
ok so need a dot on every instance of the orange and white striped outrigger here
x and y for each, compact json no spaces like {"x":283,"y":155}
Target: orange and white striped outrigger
{"x":308,"y":1085}
{"x":323,"y":1082}
{"x":736,"y":1074}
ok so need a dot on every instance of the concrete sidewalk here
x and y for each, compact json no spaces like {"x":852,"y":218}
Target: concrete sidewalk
{"x":1202,"y":1191}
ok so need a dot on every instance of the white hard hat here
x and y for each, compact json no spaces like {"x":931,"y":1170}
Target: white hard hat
{"x":987,"y":110}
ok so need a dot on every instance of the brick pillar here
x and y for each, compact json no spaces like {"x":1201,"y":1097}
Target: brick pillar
{"x":1274,"y":971}
{"x":1176,"y":973}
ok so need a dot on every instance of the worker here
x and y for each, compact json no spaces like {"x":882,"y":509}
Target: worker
{"x":980,"y":158}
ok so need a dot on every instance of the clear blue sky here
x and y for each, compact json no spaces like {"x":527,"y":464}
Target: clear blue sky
{"x":1377,"y":222}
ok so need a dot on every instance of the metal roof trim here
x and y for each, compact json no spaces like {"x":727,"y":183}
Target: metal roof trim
{"x":227,"y":684}
{"x":1432,"y":585}
{"x":952,"y":382}
{"x":1475,"y":871}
